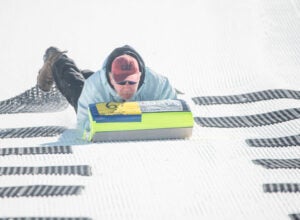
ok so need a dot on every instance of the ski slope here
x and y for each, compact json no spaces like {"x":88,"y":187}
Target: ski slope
{"x":206,"y":48}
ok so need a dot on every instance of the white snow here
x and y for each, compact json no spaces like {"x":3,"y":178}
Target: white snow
{"x":205,"y":47}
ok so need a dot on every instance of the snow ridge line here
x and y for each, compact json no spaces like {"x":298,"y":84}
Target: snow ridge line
{"x":28,"y":132}
{"x":248,"y":97}
{"x":34,"y":100}
{"x":278,"y":163}
{"x":294,"y":216}
{"x":293,"y":140}
{"x":81,"y":170}
{"x":281,"y":187}
{"x":36,"y":150}
{"x":45,"y":218}
{"x":39,"y":190}
{"x":249,"y":120}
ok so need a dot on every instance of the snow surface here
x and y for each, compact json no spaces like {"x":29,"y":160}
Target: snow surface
{"x":205,"y":47}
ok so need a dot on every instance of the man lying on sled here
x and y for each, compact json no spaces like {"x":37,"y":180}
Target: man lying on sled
{"x":123,"y":77}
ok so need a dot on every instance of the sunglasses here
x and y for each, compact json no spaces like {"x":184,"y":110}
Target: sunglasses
{"x":122,"y":83}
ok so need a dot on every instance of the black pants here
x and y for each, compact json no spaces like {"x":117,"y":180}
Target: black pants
{"x":69,"y":79}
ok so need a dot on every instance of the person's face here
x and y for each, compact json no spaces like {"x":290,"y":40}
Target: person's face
{"x":127,"y":88}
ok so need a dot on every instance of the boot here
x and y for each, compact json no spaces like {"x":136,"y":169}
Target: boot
{"x":45,"y":77}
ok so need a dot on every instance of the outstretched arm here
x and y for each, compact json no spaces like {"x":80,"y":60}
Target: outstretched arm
{"x":82,"y":108}
{"x":166,"y":90}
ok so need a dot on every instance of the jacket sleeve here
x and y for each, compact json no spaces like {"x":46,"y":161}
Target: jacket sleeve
{"x":82,"y":108}
{"x":166,"y":90}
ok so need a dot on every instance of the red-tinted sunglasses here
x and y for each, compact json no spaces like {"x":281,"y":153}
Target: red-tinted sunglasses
{"x":122,"y":83}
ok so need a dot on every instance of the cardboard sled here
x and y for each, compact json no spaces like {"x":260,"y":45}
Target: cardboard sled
{"x":144,"y":120}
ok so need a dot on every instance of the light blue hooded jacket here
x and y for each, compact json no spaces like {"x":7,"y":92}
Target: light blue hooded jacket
{"x":98,"y":89}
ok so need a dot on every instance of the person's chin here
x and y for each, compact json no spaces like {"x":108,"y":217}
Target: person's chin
{"x":127,"y":97}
